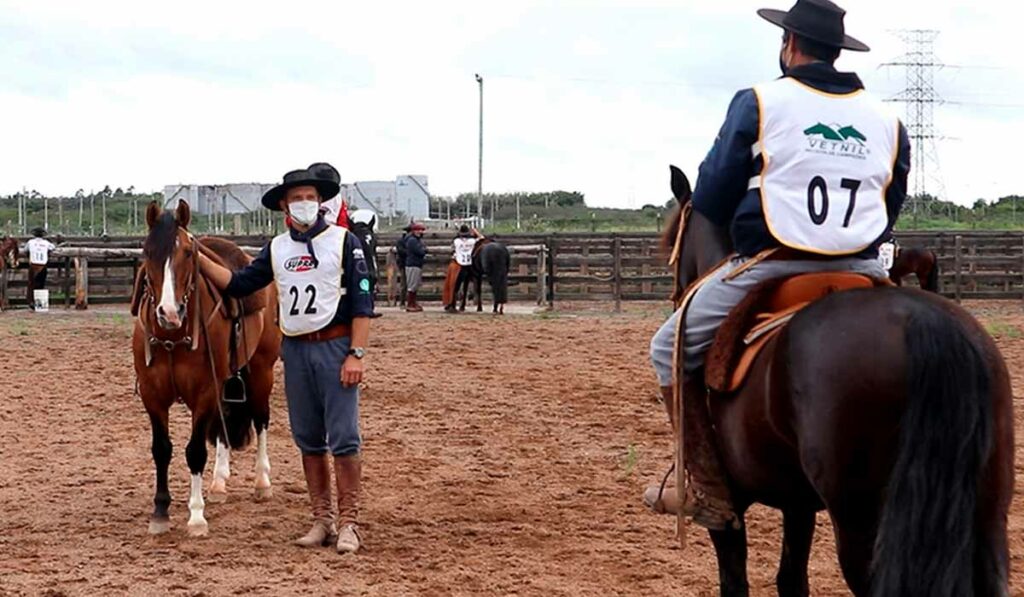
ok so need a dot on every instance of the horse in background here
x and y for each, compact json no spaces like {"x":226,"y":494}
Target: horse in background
{"x":921,"y":262}
{"x":193,"y":345}
{"x":363,"y":223}
{"x":8,"y":260}
{"x":891,"y":410}
{"x":491,"y":260}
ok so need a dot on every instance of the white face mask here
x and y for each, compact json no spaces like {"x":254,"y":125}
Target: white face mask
{"x":304,"y":212}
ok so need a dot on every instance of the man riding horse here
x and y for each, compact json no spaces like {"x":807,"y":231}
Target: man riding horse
{"x":809,"y":172}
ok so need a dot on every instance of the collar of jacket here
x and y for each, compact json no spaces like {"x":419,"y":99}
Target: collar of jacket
{"x":825,"y":77}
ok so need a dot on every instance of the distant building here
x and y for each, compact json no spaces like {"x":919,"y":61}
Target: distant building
{"x":407,"y":196}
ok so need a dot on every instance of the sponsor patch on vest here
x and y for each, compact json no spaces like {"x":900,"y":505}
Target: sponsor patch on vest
{"x":302,"y":263}
{"x":840,"y":141}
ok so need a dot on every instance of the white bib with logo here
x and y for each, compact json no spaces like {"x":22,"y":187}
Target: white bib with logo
{"x":308,"y":296}
{"x":464,"y":251}
{"x":39,"y":251}
{"x":828,"y":161}
{"x":887,"y":254}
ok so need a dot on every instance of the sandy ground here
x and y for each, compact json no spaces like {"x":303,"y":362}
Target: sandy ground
{"x":503,"y":456}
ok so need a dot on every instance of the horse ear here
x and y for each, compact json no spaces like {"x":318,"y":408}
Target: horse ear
{"x":152,"y":213}
{"x":183,"y":214}
{"x":680,"y":185}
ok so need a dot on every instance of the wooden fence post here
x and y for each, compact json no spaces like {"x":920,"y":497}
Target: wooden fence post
{"x":3,"y":286}
{"x":67,"y":282}
{"x":390,"y":265}
{"x":617,"y":272}
{"x":957,"y":249}
{"x":552,"y":253}
{"x":541,"y":278}
{"x":81,"y":283}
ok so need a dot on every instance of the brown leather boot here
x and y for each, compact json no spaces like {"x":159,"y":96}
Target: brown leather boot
{"x":411,"y":305}
{"x":663,"y":498}
{"x":708,"y":499}
{"x":348,"y":473}
{"x":318,"y":480}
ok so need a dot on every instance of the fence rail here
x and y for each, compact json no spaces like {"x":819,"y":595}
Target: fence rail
{"x":545,"y":268}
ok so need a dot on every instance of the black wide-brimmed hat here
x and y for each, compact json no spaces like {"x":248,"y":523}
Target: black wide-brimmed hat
{"x":319,"y":178}
{"x":817,"y":20}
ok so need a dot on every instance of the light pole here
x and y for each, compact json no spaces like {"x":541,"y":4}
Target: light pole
{"x":480,"y":163}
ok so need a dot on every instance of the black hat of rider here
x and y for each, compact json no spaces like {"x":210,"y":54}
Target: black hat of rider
{"x":817,"y":20}
{"x":320,"y":178}
{"x":39,"y":232}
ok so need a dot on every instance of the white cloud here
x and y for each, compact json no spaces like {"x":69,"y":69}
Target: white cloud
{"x":596,"y":96}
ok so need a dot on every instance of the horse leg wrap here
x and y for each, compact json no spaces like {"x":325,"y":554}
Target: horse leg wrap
{"x":708,"y":498}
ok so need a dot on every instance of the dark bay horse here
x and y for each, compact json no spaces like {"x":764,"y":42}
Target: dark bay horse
{"x":889,"y":409}
{"x":182,"y":347}
{"x":491,"y":260}
{"x":8,"y":260}
{"x":920,"y":262}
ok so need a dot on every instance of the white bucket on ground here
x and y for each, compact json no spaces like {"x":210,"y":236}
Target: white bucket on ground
{"x":41,"y":298}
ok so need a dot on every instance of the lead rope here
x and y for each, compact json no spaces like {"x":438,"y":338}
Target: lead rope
{"x":209,"y":349}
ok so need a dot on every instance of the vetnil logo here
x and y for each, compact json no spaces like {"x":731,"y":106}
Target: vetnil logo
{"x":841,"y":141}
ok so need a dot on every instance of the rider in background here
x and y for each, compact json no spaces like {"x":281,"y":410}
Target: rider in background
{"x":38,"y":248}
{"x":462,"y":258}
{"x":808,"y":172}
{"x":415,"y":256}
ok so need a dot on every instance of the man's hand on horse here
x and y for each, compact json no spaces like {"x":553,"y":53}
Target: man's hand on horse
{"x":352,"y":371}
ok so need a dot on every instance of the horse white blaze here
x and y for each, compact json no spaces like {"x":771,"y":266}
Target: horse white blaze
{"x":167,"y":305}
{"x":196,"y":521}
{"x":262,"y":465}
{"x":221,"y":470}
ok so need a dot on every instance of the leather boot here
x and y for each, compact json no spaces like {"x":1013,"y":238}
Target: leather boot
{"x":348,"y":473}
{"x":663,"y":498}
{"x":318,"y":480}
{"x":411,"y":305}
{"x":708,"y":499}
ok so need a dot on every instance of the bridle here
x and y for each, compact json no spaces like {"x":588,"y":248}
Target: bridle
{"x":153,"y":337}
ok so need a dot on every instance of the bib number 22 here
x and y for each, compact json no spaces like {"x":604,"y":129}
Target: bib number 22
{"x":310,"y":309}
{"x":817,"y":199}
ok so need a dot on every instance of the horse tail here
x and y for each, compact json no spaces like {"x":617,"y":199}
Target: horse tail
{"x":928,"y":541}
{"x":932,"y":281}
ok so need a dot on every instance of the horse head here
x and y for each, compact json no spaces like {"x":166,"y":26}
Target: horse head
{"x":9,"y":251}
{"x":170,"y":263}
{"x":694,"y":244}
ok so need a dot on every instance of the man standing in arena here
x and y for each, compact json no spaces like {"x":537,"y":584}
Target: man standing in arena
{"x":324,"y":312}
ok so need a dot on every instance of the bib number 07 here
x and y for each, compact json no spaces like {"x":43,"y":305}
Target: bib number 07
{"x":818,"y":203}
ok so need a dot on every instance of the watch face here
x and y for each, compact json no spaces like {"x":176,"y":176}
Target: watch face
{"x":358,"y":352}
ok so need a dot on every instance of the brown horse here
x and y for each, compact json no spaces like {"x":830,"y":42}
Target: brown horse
{"x":889,"y":409}
{"x":8,"y":260}
{"x":185,"y":349}
{"x":920,"y":262}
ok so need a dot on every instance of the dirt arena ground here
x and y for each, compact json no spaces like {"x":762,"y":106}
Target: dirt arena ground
{"x":503,"y":456}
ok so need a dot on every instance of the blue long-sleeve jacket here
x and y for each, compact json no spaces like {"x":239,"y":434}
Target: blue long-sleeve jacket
{"x":357,"y":301}
{"x":721,"y":193}
{"x":415,"y":251}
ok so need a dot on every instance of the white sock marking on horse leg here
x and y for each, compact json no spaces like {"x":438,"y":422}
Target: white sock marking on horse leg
{"x":196,"y":521}
{"x":221,"y":470}
{"x":262,"y":465}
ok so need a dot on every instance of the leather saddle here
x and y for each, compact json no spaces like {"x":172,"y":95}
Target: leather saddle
{"x":762,"y":315}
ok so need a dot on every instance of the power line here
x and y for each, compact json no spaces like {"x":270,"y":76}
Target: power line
{"x":919,"y":65}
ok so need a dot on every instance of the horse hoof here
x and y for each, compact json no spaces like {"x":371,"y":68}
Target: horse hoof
{"x":199,"y":530}
{"x":159,"y":527}
{"x":264,"y":493}
{"x":218,"y":497}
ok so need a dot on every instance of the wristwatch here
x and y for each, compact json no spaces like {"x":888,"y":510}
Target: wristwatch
{"x":357,"y":352}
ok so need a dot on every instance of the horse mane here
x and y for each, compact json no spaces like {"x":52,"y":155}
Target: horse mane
{"x":159,"y":244}
{"x":668,"y":236}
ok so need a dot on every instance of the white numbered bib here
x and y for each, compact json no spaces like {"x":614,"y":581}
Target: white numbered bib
{"x":828,"y":161}
{"x":38,"y":251}
{"x":464,"y":251}
{"x":887,"y":255}
{"x":308,"y":294}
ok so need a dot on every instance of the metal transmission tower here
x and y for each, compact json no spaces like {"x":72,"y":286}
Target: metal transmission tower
{"x":919,"y":64}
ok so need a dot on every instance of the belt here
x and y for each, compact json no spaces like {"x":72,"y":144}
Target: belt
{"x":328,"y":333}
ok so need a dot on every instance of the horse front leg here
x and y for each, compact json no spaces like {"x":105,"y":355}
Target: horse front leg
{"x":264,"y":491}
{"x":797,"y":536}
{"x":478,"y":286}
{"x":160,"y":521}
{"x":731,"y":550}
{"x":195,"y":454}
{"x":221,"y":473}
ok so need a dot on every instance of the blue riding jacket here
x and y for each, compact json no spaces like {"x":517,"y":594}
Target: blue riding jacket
{"x":721,"y":193}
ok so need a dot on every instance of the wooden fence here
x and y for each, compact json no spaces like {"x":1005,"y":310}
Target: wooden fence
{"x":545,"y":268}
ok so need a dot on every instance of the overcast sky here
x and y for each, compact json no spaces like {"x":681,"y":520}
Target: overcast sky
{"x":597,"y":97}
